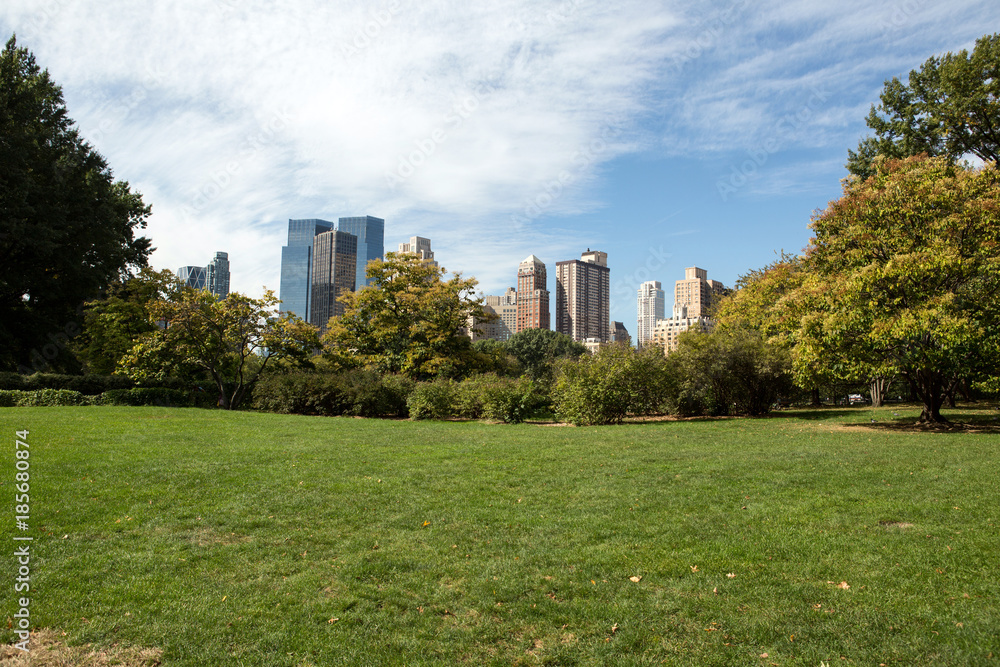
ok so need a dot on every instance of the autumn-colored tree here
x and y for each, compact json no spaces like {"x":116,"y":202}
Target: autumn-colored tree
{"x":231,"y":339}
{"x":949,"y":107}
{"x":909,"y":263}
{"x":409,"y":320}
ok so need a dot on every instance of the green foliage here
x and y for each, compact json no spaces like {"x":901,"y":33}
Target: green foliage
{"x":90,"y":385}
{"x":906,"y":272}
{"x":159,"y":396}
{"x":494,"y":356}
{"x":730,"y":371}
{"x":231,"y":339}
{"x":69,"y":229}
{"x":606,"y":387}
{"x":42,"y":397}
{"x":113,"y":324}
{"x":409,"y":320}
{"x":354,"y":392}
{"x":537,"y":350}
{"x":949,"y":107}
{"x":433,"y":400}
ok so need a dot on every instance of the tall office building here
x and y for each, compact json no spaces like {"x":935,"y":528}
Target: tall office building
{"x":295,"y":290}
{"x":532,"y":297}
{"x":583,"y":304}
{"x":651,"y":308}
{"x":333,"y":273}
{"x":697,"y":293}
{"x":371,"y":241}
{"x":504,"y":306}
{"x":217,"y":275}
{"x":192,"y":276}
{"x":420,"y":247}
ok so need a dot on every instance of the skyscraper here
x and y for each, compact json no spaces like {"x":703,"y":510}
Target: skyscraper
{"x":420,"y":247}
{"x":651,"y":308}
{"x":296,"y":265}
{"x":371,"y":240}
{"x":192,"y":276}
{"x":333,"y":273}
{"x":583,"y":297}
{"x":217,"y":275}
{"x":504,"y":306}
{"x":697,"y":292}
{"x":532,"y":297}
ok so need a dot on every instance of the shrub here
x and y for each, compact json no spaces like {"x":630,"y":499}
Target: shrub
{"x":348,"y":392}
{"x":42,"y":397}
{"x":432,"y":400}
{"x":512,"y":401}
{"x":160,"y":396}
{"x":606,"y":387}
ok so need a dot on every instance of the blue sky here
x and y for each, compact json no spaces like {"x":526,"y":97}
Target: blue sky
{"x":667,"y":134}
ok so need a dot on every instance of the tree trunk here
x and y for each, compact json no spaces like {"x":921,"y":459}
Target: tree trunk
{"x":814,"y":397}
{"x":879,"y":386}
{"x":930,"y":390}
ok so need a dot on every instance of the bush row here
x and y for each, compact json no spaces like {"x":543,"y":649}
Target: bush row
{"x":361,"y":393}
{"x":488,"y":396}
{"x":89,"y":385}
{"x":137,"y":396}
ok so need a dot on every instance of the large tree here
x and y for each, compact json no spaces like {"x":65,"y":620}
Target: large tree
{"x":113,"y":324}
{"x":232,"y":340}
{"x":910,"y":261}
{"x":949,"y":107}
{"x":538,"y":349}
{"x":67,"y":227}
{"x":409,"y":320}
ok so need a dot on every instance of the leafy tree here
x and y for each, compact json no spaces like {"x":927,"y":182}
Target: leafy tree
{"x":68,"y":228}
{"x":949,"y":107}
{"x":409,"y":320}
{"x":910,"y":261}
{"x":537,"y":349}
{"x":112,"y":325}
{"x":232,"y":340}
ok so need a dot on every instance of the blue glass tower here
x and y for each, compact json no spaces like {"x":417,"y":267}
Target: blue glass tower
{"x":295,"y":290}
{"x":371,"y":240}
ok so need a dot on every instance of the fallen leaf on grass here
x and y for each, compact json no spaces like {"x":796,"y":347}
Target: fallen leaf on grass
{"x":694,"y":568}
{"x":730,"y":576}
{"x":333,"y":620}
{"x":614,"y":628}
{"x":635,"y":579}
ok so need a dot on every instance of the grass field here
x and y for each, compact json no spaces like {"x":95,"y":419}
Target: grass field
{"x":214,"y":538}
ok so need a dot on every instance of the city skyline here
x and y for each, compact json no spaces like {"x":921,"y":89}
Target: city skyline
{"x":669,"y":134}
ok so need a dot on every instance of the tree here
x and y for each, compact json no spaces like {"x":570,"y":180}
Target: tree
{"x":232,"y":340}
{"x":67,"y":228}
{"x":114,"y":324}
{"x":409,"y":320}
{"x":911,"y":263}
{"x":537,"y":349}
{"x":950,"y":107}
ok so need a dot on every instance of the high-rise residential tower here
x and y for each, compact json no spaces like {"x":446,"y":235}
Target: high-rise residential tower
{"x":532,"y":297}
{"x":697,"y":293}
{"x":217,"y":275}
{"x":651,"y":308}
{"x":371,"y":242}
{"x":504,"y":306}
{"x":420,"y":247}
{"x":334,"y":271}
{"x":295,"y":290}
{"x":583,"y":297}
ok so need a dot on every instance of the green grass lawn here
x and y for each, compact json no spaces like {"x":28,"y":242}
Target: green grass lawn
{"x":257,"y":539}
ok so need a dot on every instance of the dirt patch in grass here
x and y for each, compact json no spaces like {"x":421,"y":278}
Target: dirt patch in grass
{"x":895,"y":525}
{"x":48,"y":649}
{"x":912,"y":427}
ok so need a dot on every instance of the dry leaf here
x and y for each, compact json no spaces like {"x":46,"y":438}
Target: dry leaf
{"x":614,"y":628}
{"x":843,"y":585}
{"x":716,"y":590}
{"x":333,"y":620}
{"x":426,"y":523}
{"x":730,"y":576}
{"x":694,"y":568}
{"x":635,"y":579}
{"x":763,"y":655}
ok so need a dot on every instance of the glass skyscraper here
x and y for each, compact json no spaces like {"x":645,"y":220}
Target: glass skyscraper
{"x":371,"y":241}
{"x":295,"y":290}
{"x":217,"y":275}
{"x":335,"y":255}
{"x":192,"y":276}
